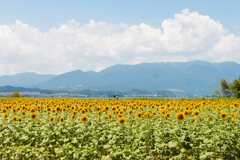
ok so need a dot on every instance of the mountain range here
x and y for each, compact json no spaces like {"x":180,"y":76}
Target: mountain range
{"x":187,"y":77}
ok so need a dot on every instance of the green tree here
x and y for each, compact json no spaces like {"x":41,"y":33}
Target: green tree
{"x":235,"y":87}
{"x":225,"y":88}
{"x":217,"y":93}
{"x":16,"y":94}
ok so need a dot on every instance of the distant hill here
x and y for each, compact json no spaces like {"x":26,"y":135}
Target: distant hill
{"x":183,"y":77}
{"x":26,"y":79}
{"x":193,"y":76}
{"x":18,"y":89}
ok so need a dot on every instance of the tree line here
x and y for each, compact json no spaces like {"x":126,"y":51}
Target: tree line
{"x":228,"y":90}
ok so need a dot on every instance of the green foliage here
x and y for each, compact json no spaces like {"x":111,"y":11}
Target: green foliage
{"x":16,"y":94}
{"x":225,"y":88}
{"x":138,"y":138}
{"x":235,"y":86}
{"x":228,"y":90}
{"x":217,"y":93}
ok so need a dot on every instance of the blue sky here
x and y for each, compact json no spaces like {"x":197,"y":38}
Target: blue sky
{"x":53,"y":37}
{"x":46,"y":14}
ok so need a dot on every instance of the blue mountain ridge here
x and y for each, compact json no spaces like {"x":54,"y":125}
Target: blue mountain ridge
{"x":190,"y":77}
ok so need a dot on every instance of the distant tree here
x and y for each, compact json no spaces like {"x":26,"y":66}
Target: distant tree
{"x":228,"y":89}
{"x":235,"y":87}
{"x":217,"y":93}
{"x":16,"y":94}
{"x":225,"y":88}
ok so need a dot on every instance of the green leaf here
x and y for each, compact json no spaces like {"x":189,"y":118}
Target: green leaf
{"x":172,"y":144}
{"x":205,"y":155}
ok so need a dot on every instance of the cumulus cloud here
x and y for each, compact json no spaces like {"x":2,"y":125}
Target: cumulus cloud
{"x":97,"y":45}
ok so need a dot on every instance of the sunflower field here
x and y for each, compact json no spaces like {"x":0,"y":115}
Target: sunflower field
{"x":119,"y":129}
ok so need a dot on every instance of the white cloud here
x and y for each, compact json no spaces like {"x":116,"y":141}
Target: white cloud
{"x":97,"y":45}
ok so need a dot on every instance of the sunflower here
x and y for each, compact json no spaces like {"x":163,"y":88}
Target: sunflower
{"x":74,"y":112}
{"x":189,"y":112}
{"x":4,"y":110}
{"x":167,"y":115}
{"x":181,"y":109}
{"x":99,"y":113}
{"x":196,"y":113}
{"x":139,"y":114}
{"x":233,"y":115}
{"x":90,"y":110}
{"x":32,"y":110}
{"x":72,"y":117}
{"x":162,"y":111}
{"x":106,"y":108}
{"x":5,"y":116}
{"x":154,"y":113}
{"x":98,"y":109}
{"x":19,"y":120}
{"x":119,"y":115}
{"x":83,"y":111}
{"x":158,"y":117}
{"x":193,"y":120}
{"x":51,"y":118}
{"x":39,"y":107}
{"x":49,"y":109}
{"x":14,"y":110}
{"x":130,"y":112}
{"x":38,"y":123}
{"x":84,"y":118}
{"x":14,"y":118}
{"x":147,"y":115}
{"x":23,"y":107}
{"x":54,"y":110}
{"x":61,"y":119}
{"x":208,"y":119}
{"x":109,"y":115}
{"x":233,"y":120}
{"x":235,"y":104}
{"x":121,"y":120}
{"x":180,"y":116}
{"x":33,"y":116}
{"x":223,"y":115}
{"x":58,"y":108}
{"x":68,"y":131}
{"x":23,"y":113}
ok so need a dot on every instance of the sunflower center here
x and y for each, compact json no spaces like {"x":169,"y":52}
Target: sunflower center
{"x":180,"y":116}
